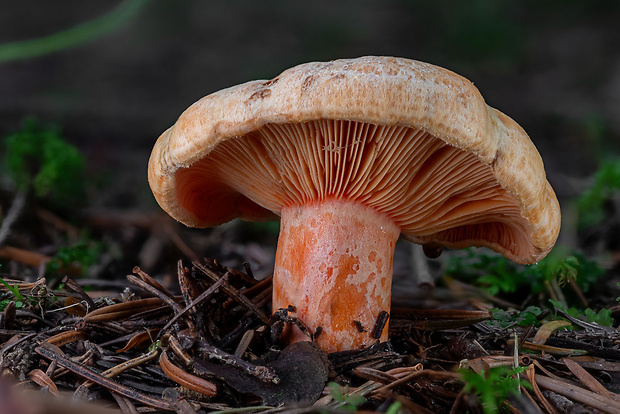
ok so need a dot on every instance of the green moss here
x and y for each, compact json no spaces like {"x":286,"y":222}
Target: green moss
{"x":39,"y":159}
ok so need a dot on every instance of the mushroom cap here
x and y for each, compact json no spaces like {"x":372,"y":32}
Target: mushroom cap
{"x":410,"y":139}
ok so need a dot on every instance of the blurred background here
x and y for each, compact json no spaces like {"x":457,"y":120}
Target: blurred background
{"x":126,"y":70}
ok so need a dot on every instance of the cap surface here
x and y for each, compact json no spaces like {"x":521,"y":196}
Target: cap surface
{"x":409,"y":139}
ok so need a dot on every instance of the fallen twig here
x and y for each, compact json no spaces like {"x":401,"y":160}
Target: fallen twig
{"x":202,"y":297}
{"x":53,"y":354}
{"x":186,"y":379}
{"x":234,"y":293}
{"x":581,"y":395}
{"x":259,"y":371}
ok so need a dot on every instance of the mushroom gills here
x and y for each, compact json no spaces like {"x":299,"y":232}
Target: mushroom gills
{"x":434,"y":192}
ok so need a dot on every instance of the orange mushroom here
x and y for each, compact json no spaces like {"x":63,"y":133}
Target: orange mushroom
{"x":351,"y":154}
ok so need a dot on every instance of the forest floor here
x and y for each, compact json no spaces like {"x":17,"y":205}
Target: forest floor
{"x":83,"y":319}
{"x":108,"y":305}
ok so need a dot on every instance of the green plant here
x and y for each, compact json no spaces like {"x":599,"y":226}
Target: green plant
{"x":17,"y":296}
{"x":38,"y":158}
{"x":564,"y":266}
{"x":591,"y":204}
{"x":602,"y":317}
{"x":494,"y":386}
{"x":38,"y":299}
{"x":496,"y":274}
{"x":527,"y":317}
{"x":491,"y":272}
{"x":394,"y":408}
{"x":348,"y":402}
{"x":75,"y":259}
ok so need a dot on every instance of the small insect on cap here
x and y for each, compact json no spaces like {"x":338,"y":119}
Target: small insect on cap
{"x":350,"y":154}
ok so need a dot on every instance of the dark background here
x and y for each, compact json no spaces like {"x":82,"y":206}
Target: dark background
{"x":554,"y":66}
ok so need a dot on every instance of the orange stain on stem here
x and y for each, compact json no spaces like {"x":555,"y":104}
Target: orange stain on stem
{"x":334,"y":265}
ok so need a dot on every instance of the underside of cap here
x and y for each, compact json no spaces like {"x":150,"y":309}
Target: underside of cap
{"x":411,"y":140}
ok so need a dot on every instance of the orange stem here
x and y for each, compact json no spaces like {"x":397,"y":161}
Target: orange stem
{"x":334,"y":265}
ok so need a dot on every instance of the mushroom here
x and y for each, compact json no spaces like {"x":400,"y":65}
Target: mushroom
{"x":351,"y":154}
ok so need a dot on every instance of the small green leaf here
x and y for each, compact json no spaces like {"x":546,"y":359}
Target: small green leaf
{"x":527,"y":317}
{"x":494,"y":386}
{"x":13,"y":289}
{"x":349,"y":402}
{"x":602,"y":317}
{"x":394,"y":408}
{"x":335,"y":390}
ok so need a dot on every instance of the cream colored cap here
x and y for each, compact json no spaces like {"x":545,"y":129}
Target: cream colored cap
{"x":409,"y":139}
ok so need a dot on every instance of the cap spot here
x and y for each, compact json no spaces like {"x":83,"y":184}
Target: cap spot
{"x":307,"y":83}
{"x":261,"y":94}
{"x":270,"y":82}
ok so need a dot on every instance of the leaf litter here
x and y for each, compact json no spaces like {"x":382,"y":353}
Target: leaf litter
{"x":201,"y":336}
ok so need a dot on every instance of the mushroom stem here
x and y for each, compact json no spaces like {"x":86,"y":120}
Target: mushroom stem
{"x":334,"y":265}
